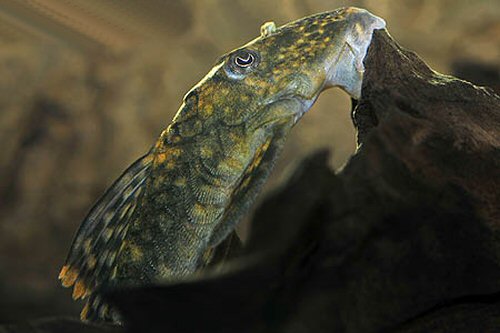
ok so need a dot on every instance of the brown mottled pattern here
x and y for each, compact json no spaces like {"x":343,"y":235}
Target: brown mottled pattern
{"x":161,"y":219}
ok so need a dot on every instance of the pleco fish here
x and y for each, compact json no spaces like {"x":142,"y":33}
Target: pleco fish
{"x":163,"y":217}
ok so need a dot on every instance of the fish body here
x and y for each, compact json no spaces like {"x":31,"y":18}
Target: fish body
{"x":163,"y":217}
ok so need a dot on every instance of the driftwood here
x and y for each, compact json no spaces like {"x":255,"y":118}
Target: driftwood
{"x":406,"y":238}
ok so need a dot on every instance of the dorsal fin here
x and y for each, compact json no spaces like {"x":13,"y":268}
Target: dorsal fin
{"x":92,"y":256}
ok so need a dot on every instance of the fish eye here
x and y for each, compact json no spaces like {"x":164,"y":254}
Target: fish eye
{"x":242,"y":62}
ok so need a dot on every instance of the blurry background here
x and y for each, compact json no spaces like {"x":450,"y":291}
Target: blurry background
{"x":86,"y":86}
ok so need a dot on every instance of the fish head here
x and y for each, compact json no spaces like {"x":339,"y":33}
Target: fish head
{"x":278,"y":76}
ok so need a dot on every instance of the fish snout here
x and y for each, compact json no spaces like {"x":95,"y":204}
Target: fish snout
{"x":345,"y":67}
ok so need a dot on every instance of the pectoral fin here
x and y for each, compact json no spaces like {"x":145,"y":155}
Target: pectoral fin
{"x":91,"y":261}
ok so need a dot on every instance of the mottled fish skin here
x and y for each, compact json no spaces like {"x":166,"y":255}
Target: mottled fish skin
{"x":162,"y":217}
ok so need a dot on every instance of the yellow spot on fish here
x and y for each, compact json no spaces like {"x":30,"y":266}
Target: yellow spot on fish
{"x":198,"y":210}
{"x":87,"y":246}
{"x":104,"y":310}
{"x":85,"y":311}
{"x":265,"y":146}
{"x":176,"y":152}
{"x":148,"y":159}
{"x":135,"y":251}
{"x":170,"y":165}
{"x":91,"y":261}
{"x":160,"y":158}
{"x":230,"y":164}
{"x":114,"y":272}
{"x":206,"y":152}
{"x":359,"y":28}
{"x":108,"y":232}
{"x":223,"y":91}
{"x":68,"y":275}
{"x":167,"y":157}
{"x":216,"y":182}
{"x":245,"y":183}
{"x":164,"y":271}
{"x":208,"y":110}
{"x":159,"y":142}
{"x":124,"y":210}
{"x":79,"y":290}
{"x":180,"y":182}
{"x":263,"y":84}
{"x":175,"y":139}
{"x":103,"y":256}
{"x":63,"y":272}
{"x":208,"y":254}
{"x":235,"y":138}
{"x":259,"y":154}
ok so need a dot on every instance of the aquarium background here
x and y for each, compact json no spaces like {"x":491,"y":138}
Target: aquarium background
{"x":86,"y":87}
